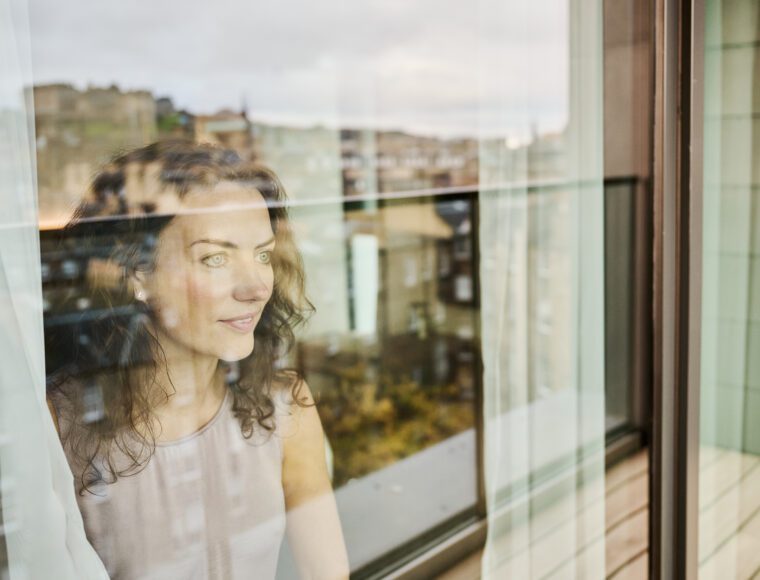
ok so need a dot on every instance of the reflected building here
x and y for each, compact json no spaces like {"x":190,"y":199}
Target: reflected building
{"x":392,"y":161}
{"x":306,"y":159}
{"x":227,"y":129}
{"x":80,"y":130}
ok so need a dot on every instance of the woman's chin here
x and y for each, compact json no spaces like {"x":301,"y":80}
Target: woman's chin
{"x":237,"y":352}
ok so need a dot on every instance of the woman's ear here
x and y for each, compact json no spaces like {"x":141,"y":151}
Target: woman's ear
{"x":137,"y":282}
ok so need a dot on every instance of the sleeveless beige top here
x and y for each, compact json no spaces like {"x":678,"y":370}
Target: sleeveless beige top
{"x":207,"y":506}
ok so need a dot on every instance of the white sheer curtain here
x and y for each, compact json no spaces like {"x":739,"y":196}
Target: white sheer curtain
{"x":43,"y":532}
{"x":541,"y":243}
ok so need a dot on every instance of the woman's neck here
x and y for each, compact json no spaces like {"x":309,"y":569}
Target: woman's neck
{"x":195,"y":387}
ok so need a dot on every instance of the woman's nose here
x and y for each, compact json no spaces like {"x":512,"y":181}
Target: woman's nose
{"x":253,"y":283}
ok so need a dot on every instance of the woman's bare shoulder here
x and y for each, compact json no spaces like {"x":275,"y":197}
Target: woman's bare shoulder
{"x":291,"y":390}
{"x":295,"y":406}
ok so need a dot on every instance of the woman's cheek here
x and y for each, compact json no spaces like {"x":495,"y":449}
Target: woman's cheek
{"x":186,"y":300}
{"x":170,"y":318}
{"x":205,"y":291}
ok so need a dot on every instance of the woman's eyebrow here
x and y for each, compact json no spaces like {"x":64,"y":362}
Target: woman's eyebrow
{"x":268,"y":242}
{"x":230,"y":245}
{"x":222,"y":243}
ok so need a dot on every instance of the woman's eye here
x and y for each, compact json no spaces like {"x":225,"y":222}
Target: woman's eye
{"x":215,"y":260}
{"x":265,"y":257}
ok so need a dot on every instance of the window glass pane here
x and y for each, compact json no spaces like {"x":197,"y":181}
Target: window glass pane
{"x":402,"y":204}
{"x":380,"y":176}
{"x":729,"y":525}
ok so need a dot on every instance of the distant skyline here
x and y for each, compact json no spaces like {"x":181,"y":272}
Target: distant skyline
{"x":427,"y":67}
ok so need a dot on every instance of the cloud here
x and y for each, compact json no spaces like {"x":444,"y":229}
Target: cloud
{"x":441,"y":66}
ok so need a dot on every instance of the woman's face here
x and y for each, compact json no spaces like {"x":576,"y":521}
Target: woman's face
{"x":213,"y":274}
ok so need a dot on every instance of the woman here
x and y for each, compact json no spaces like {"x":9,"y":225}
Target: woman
{"x":192,"y":453}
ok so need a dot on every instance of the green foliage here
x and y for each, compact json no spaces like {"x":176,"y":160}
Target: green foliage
{"x":371,"y":424}
{"x":168,"y":123}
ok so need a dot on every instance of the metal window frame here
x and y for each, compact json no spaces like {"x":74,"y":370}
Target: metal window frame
{"x":677,"y":180}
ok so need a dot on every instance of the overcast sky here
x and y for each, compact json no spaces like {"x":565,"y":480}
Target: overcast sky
{"x":431,"y":66}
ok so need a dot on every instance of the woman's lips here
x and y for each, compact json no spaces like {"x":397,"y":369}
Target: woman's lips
{"x":243,"y":324}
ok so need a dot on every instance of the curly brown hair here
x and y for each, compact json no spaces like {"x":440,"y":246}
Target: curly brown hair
{"x":122,"y":366}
